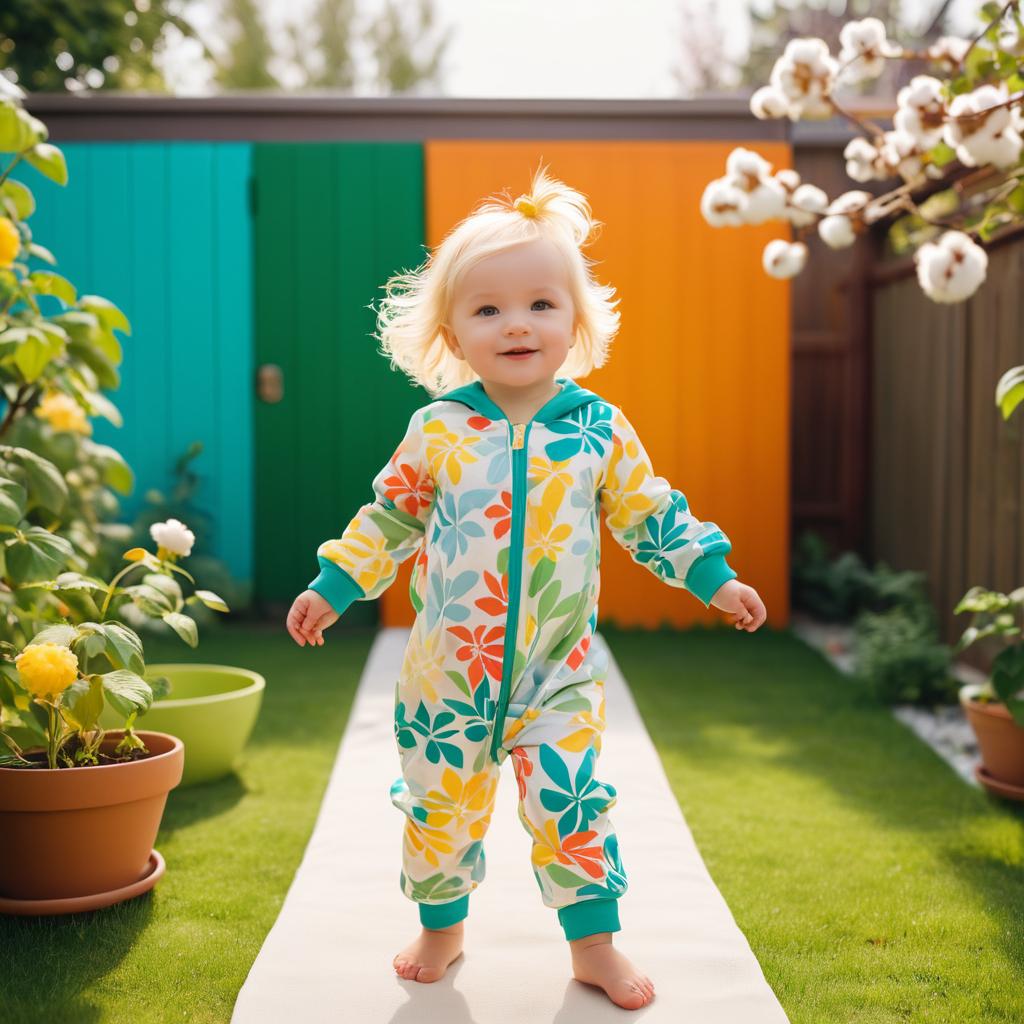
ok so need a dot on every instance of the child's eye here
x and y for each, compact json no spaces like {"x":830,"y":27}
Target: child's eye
{"x":545,"y":301}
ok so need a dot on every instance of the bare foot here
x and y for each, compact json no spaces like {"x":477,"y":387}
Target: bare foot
{"x":595,"y":961}
{"x":427,"y":957}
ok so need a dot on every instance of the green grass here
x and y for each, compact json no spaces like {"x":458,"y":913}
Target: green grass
{"x":872,"y":884}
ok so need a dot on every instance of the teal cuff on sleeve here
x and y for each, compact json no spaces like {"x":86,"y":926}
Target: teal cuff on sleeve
{"x":706,"y":575}
{"x":335,"y":585}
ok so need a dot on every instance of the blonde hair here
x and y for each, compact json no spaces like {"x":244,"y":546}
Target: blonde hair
{"x":418,"y":302}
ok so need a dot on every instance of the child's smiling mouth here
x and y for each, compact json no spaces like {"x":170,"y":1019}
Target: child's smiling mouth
{"x":519,"y":353}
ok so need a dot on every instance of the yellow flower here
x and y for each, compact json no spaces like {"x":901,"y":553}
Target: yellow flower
{"x":62,"y":412}
{"x":10,"y":242}
{"x":47,"y":669}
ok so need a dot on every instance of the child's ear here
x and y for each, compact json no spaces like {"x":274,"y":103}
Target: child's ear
{"x":451,"y":341}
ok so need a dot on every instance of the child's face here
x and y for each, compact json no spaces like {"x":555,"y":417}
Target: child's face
{"x":518,"y":298}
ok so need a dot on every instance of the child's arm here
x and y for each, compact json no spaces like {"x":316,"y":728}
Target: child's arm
{"x":361,"y":563}
{"x":652,"y":521}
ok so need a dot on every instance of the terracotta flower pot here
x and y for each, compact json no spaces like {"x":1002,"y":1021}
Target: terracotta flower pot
{"x":1000,"y":739}
{"x":77,"y":832}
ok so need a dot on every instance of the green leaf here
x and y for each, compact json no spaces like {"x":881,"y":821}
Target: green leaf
{"x":15,"y":132}
{"x":942,"y":154}
{"x":116,"y":472}
{"x":1010,"y":390}
{"x":127,"y":691}
{"x":124,"y":648}
{"x":12,"y":502}
{"x":46,"y":484}
{"x":184,"y":626}
{"x":37,"y":555}
{"x":541,"y":575}
{"x":211,"y":600}
{"x":61,"y":634}
{"x":106,"y":312}
{"x":42,"y":252}
{"x":49,"y":161}
{"x":82,"y":702}
{"x":46,"y":282}
{"x":17,"y":199}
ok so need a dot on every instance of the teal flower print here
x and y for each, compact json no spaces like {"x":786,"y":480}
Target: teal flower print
{"x":615,"y":876}
{"x":582,"y":800}
{"x":444,"y":594}
{"x":454,"y":527}
{"x":435,"y":734}
{"x":587,"y":429}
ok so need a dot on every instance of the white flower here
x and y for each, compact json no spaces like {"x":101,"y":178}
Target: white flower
{"x":9,"y":90}
{"x":788,"y":178}
{"x":836,"y":230}
{"x":783,"y":259}
{"x":804,"y":74}
{"x":1011,"y":40}
{"x":863,"y":161}
{"x":948,"y":50}
{"x":864,"y":49}
{"x":900,"y":155}
{"x":988,"y":138}
{"x":751,"y":173}
{"x":806,"y":204}
{"x":173,"y":536}
{"x":723,"y":204}
{"x":768,"y":103}
{"x":921,"y":110}
{"x":951,"y":269}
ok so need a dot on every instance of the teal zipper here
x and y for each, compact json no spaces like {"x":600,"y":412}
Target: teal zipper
{"x":515,"y":574}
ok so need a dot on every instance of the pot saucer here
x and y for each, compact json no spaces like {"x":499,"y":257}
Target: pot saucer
{"x":73,"y":904}
{"x":998,"y":786}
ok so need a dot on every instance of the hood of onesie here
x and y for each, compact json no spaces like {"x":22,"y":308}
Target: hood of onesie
{"x":571,"y":397}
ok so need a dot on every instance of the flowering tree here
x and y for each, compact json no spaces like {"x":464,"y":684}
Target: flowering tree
{"x":957,"y":138}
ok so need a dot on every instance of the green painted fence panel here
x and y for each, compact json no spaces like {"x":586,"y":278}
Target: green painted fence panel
{"x":332,"y":222}
{"x":164,"y":231}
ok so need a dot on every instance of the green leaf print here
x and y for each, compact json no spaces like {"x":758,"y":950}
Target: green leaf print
{"x":541,"y":575}
{"x":460,"y":681}
{"x":564,"y":877}
{"x":436,"y":887}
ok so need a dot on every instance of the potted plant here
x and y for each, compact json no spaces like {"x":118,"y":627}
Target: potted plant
{"x":80,"y":806}
{"x":995,"y":708}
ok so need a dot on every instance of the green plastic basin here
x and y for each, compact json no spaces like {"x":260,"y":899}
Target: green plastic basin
{"x":211,"y":708}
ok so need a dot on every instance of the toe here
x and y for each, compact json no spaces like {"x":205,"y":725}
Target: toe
{"x":428,"y":974}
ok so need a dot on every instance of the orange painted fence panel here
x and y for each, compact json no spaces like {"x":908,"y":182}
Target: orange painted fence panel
{"x":701,"y":363}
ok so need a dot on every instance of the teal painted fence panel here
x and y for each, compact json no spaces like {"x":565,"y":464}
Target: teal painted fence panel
{"x":164,"y":231}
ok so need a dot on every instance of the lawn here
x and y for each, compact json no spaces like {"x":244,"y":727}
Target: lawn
{"x":872,"y":884}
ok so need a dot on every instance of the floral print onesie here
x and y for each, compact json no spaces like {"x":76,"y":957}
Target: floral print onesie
{"x":503,"y":521}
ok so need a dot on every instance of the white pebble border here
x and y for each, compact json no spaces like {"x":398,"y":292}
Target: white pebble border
{"x":946,"y":729}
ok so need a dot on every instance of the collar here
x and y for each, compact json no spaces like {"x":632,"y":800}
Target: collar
{"x":572,"y":396}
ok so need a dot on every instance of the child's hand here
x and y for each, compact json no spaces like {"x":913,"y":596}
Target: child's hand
{"x":743,"y":601}
{"x":309,"y":615}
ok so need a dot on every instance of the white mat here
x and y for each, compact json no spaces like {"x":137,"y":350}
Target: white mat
{"x":328,"y":956}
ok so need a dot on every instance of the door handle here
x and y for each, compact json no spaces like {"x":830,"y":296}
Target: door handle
{"x":270,"y":383}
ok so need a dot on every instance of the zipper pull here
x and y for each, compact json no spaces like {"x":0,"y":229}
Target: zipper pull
{"x":518,"y":432}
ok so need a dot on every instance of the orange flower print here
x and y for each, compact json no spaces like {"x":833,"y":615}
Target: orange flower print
{"x":502,"y":512}
{"x":587,"y":857}
{"x":484,"y":649}
{"x":409,"y":490}
{"x":577,"y":654}
{"x":478,"y":422}
{"x":523,"y":767}
{"x":498,"y":586}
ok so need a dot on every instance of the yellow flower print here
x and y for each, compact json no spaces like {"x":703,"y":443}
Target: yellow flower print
{"x":446,"y":450}
{"x":545,"y":537}
{"x":625,"y":505}
{"x":517,"y":726}
{"x":364,"y":558}
{"x":420,"y":841}
{"x":558,"y":479}
{"x":458,"y":801}
{"x":547,"y":844}
{"x":423,"y":665}
{"x":582,"y":738}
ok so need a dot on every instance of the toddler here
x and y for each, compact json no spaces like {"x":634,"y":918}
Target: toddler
{"x":496,"y":489}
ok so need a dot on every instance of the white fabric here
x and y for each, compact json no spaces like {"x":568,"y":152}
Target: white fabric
{"x":328,"y":956}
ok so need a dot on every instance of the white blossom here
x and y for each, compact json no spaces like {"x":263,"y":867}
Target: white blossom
{"x":751,"y":173}
{"x":1011,"y":40}
{"x":784,"y":259}
{"x":921,"y":110}
{"x":806,"y":204}
{"x":951,"y":269}
{"x":768,"y":103}
{"x":836,"y":229}
{"x":988,"y":139}
{"x":804,"y":74}
{"x":10,"y":90}
{"x":900,"y":155}
{"x":788,"y":178}
{"x":863,"y":161}
{"x":174,"y":536}
{"x":723,"y":204}
{"x":948,"y":50}
{"x":864,"y":49}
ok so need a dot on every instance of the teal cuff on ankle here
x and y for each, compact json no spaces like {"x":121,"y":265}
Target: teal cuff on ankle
{"x":589,"y":917}
{"x":440,"y":915}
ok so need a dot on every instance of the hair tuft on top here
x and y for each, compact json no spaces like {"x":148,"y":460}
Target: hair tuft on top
{"x":418,"y":302}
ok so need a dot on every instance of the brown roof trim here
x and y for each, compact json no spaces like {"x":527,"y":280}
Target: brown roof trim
{"x":256,"y":116}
